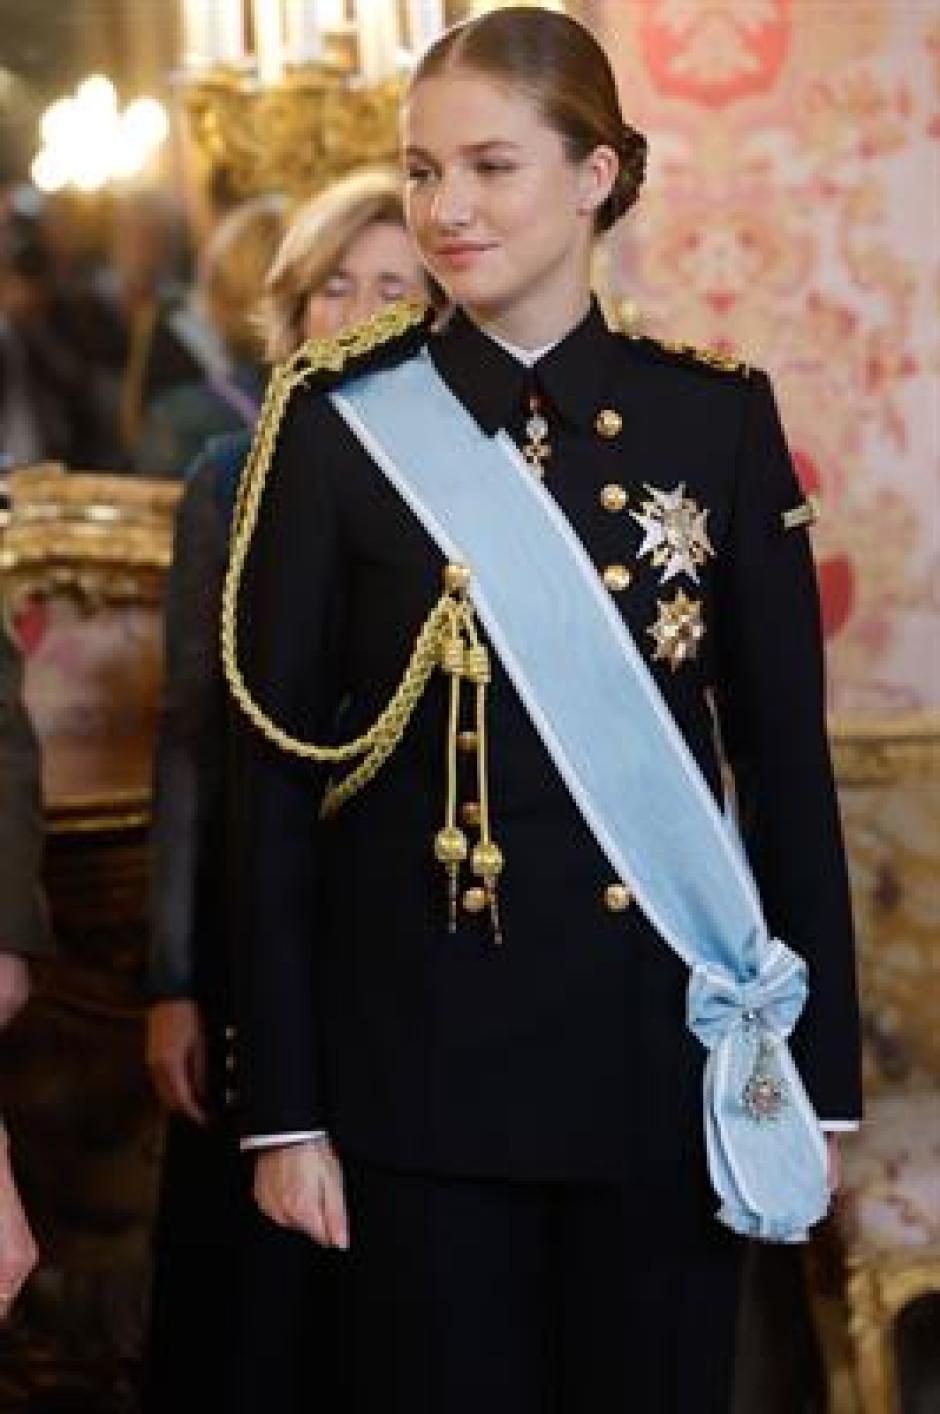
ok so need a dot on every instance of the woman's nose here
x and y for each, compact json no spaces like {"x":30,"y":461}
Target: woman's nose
{"x":452,"y":206}
{"x":361,"y":305}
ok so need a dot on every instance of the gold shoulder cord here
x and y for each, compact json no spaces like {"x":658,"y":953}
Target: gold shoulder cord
{"x":448,"y":638}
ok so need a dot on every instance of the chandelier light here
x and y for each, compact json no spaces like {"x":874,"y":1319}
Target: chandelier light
{"x":88,"y":142}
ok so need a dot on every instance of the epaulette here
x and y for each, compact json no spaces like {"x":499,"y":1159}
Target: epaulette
{"x":396,"y":330}
{"x":691,"y":354}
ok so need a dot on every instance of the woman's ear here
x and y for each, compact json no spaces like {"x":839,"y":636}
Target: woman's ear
{"x":597,"y":177}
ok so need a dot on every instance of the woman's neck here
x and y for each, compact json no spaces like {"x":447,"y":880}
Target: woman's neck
{"x":533,"y":324}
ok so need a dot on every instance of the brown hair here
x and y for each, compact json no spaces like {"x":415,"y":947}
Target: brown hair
{"x":561,"y":67}
{"x":321,"y":232}
{"x":233,"y":267}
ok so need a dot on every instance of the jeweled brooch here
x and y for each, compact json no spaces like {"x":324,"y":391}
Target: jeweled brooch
{"x":765,"y":1093}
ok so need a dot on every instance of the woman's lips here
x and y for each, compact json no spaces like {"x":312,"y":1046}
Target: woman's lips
{"x":460,"y":256}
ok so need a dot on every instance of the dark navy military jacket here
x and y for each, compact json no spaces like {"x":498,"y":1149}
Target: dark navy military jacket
{"x":563,"y":1053}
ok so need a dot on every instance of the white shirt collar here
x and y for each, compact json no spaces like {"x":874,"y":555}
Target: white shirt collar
{"x":527,"y":357}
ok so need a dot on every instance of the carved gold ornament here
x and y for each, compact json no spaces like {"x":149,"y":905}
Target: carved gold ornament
{"x":678,"y":630}
{"x":675,"y":533}
{"x":296,"y":137}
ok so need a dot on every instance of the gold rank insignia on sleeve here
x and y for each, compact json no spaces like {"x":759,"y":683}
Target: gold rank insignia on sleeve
{"x":806,"y":513}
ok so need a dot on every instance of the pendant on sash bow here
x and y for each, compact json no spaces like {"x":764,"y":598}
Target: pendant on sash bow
{"x":765,"y":1093}
{"x":675,"y":533}
{"x":678,"y":630}
{"x":537,"y":449}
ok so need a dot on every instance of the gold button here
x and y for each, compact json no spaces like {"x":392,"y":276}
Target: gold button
{"x":230,"y":1033}
{"x":230,"y":1096}
{"x":474,"y":900}
{"x":617,"y":577}
{"x":456,"y":577}
{"x":613,"y":497}
{"x":470,"y":813}
{"x":467,"y":741}
{"x":608,"y":422}
{"x":617,"y":898}
{"x":229,"y":1062}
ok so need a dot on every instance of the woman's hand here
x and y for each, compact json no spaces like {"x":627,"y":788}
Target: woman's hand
{"x":176,"y":1057}
{"x":835,"y":1162}
{"x":18,"y":1253}
{"x":301,"y":1186}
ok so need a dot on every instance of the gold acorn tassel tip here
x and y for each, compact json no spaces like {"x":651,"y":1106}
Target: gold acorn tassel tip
{"x":486,"y":861}
{"x":450,"y":842}
{"x":464,"y":657}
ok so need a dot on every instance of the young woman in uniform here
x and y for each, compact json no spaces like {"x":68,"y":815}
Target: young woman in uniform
{"x":499,"y":932}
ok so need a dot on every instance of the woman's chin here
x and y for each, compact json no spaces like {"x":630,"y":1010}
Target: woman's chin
{"x":474,"y":290}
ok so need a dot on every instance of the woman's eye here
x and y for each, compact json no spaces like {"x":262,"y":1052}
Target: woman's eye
{"x":419,"y":176}
{"x":392,"y":290}
{"x":488,"y":167}
{"x":335,"y":288}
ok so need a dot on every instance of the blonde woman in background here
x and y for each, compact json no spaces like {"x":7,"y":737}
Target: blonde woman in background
{"x":225,"y":1279}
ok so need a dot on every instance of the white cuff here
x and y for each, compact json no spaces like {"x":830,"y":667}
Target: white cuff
{"x":271,"y":1141}
{"x":839,"y":1126}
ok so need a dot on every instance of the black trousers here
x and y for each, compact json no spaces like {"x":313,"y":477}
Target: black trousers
{"x":494,"y":1297}
{"x":246,"y":1317}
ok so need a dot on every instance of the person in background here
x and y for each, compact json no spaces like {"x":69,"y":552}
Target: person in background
{"x":46,"y":413}
{"x":344,"y":255}
{"x":24,"y":930}
{"x":226,"y":395}
{"x":132,"y":317}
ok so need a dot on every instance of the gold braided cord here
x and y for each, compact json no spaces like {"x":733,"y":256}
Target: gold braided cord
{"x":377,"y":743}
{"x":448,"y":639}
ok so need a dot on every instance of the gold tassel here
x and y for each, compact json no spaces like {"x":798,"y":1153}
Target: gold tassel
{"x":450,"y":842}
{"x":486,"y":860}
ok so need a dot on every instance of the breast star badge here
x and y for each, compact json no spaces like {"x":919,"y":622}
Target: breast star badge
{"x":675,"y":534}
{"x":678,"y":630}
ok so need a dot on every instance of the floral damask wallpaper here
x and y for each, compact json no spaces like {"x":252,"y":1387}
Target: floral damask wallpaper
{"x":792,"y":216}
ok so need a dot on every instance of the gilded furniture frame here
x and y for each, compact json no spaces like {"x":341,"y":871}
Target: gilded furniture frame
{"x":101,"y":540}
{"x":877,"y":1284}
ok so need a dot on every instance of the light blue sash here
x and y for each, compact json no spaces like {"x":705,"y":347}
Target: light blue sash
{"x":597,"y":709}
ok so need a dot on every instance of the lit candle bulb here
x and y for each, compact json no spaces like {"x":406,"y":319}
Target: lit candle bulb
{"x":266,"y":15}
{"x":331,"y":14}
{"x":378,"y":39}
{"x":213,"y":32}
{"x":425,"y":23}
{"x":303,"y":37}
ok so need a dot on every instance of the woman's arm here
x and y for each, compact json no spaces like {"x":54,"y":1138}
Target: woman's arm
{"x":24,"y":925}
{"x":291,"y":632}
{"x":188,"y":767}
{"x":18,"y":1255}
{"x":189,"y":759}
{"x":771,"y":698}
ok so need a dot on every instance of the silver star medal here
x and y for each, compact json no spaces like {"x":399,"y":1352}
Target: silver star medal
{"x":675,"y":534}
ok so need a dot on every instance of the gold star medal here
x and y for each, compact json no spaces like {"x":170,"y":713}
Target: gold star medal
{"x":678,"y":630}
{"x":675,"y":533}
